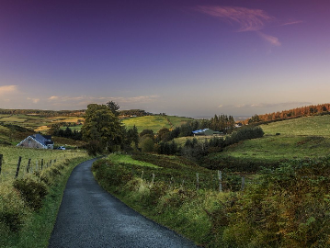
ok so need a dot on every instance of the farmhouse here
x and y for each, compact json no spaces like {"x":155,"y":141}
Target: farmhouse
{"x":37,"y":141}
{"x":206,"y":132}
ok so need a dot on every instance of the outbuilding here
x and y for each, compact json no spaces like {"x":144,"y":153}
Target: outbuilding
{"x":37,"y":141}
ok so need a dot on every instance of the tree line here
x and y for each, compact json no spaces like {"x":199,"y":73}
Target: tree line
{"x":42,"y":112}
{"x":291,"y":113}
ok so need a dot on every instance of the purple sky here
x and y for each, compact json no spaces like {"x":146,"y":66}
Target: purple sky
{"x":182,"y":57}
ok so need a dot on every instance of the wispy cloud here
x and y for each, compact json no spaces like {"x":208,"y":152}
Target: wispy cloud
{"x":7,"y":89}
{"x":83,"y":101}
{"x":247,"y":19}
{"x":267,"y":105}
{"x":52,"y":98}
{"x":271,"y":39}
{"x":292,"y":23}
{"x":34,"y":100}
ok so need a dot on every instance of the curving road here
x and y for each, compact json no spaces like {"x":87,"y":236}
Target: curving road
{"x":91,"y":217}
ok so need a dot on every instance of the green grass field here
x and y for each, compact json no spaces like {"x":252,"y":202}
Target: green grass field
{"x":155,"y":122}
{"x":11,"y":155}
{"x":314,"y":125}
{"x":127,"y":160}
{"x":306,"y":137}
{"x":274,"y":148}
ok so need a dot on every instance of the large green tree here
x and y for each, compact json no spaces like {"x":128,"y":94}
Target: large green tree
{"x":101,"y":127}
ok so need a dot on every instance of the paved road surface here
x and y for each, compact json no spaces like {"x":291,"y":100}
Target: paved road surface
{"x":91,"y":217}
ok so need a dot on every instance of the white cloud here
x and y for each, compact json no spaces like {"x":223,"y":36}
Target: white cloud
{"x":53,"y":98}
{"x":7,"y":89}
{"x":34,"y":100}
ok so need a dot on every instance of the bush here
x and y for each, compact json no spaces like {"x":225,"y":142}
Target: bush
{"x":31,"y":192}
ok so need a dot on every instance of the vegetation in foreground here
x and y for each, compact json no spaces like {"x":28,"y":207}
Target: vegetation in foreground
{"x":37,"y":156}
{"x":29,"y":205}
{"x":285,"y":207}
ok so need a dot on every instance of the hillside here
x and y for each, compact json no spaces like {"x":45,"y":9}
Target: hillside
{"x":302,"y":138}
{"x":155,"y":122}
{"x":312,"y":125}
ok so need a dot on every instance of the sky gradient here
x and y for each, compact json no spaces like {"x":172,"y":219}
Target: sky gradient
{"x":191,"y":58}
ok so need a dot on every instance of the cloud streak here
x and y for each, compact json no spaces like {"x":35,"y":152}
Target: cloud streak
{"x":83,"y":101}
{"x":267,"y":105}
{"x":292,"y":23}
{"x":271,"y":39}
{"x":7,"y":89}
{"x":247,"y":19}
{"x":34,"y":100}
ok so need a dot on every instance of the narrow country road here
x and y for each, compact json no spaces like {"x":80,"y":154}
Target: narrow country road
{"x":91,"y":217}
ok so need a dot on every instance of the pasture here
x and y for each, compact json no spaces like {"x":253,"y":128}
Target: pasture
{"x":155,"y":122}
{"x":37,"y":123}
{"x":275,"y":148}
{"x":312,"y":125}
{"x":11,"y":155}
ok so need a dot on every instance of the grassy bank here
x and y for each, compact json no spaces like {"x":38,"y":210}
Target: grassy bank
{"x":172,"y":197}
{"x":286,"y":207}
{"x":29,"y":206}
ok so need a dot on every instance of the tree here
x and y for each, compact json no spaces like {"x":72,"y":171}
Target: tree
{"x":147,"y":145}
{"x":113,"y":107}
{"x":101,"y":125}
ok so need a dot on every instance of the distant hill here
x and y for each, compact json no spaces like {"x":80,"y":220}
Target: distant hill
{"x":155,"y":122}
{"x":300,"y":138}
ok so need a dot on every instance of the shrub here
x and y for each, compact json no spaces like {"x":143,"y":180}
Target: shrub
{"x":31,"y":192}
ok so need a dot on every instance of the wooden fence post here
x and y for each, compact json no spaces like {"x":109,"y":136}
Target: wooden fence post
{"x":37,"y":165}
{"x":42,"y":163}
{"x":142,"y":174}
{"x":18,"y":165}
{"x":1,"y":156}
{"x":220,"y":180}
{"x":197,"y":181}
{"x":28,"y":166}
{"x":243,"y":183}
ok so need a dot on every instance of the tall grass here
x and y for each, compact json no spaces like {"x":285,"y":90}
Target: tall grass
{"x":11,"y":155}
{"x":27,"y":217}
{"x":287,"y":206}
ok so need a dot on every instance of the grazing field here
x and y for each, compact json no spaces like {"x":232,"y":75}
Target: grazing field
{"x":37,"y":122}
{"x":274,"y":148}
{"x":11,"y":155}
{"x":182,"y":140}
{"x":313,"y":125}
{"x":155,"y":122}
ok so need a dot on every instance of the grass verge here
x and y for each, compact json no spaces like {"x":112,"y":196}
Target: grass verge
{"x":288,"y":206}
{"x":36,"y":227}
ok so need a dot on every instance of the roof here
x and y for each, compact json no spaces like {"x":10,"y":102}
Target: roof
{"x":200,"y":131}
{"x":43,"y":139}
{"x":206,"y":131}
